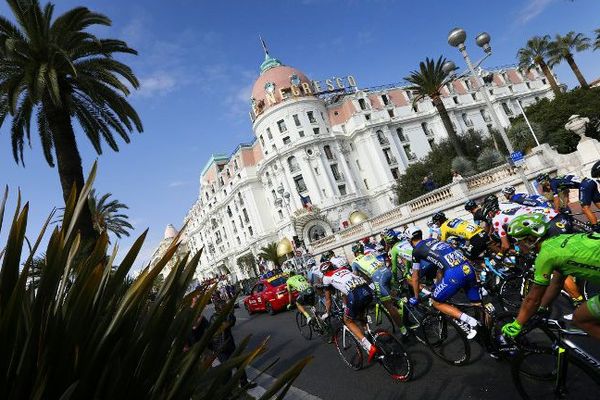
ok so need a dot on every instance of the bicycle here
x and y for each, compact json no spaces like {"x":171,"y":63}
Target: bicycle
{"x":316,"y":324}
{"x":549,"y":365}
{"x":392,"y":355}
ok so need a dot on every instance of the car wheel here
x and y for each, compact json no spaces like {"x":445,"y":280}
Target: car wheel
{"x":248,"y":309}
{"x":269,"y":308}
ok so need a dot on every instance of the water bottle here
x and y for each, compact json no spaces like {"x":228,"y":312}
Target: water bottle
{"x":483,"y":275}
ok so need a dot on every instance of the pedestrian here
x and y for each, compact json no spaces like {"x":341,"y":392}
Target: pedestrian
{"x":428,"y":184}
{"x":456,"y":177}
{"x":223,"y":342}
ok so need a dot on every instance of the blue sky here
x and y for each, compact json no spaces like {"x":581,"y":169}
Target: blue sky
{"x":198,"y":59}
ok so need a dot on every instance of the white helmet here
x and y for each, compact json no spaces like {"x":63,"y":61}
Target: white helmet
{"x":412,"y":231}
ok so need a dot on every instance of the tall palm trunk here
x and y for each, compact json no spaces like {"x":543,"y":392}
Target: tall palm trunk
{"x":69,"y":164}
{"x":577,"y":71}
{"x":439,"y":105}
{"x":546,"y":70}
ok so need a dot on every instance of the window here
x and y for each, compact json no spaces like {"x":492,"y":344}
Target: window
{"x":262,"y":141}
{"x":389,"y":157}
{"x":316,"y":170}
{"x":368,"y":117}
{"x":300,"y":185}
{"x":250,"y":231}
{"x":492,"y":91}
{"x":274,"y":194}
{"x":280,"y":214}
{"x":409,"y":94}
{"x":245,"y":213}
{"x":351,"y":146}
{"x":506,"y":109}
{"x":466,"y":119}
{"x":474,"y":96}
{"x":336,"y":172}
{"x":358,"y":165}
{"x":391,"y":113}
{"x":311,"y":117}
{"x":381,"y":138}
{"x":400,"y":134}
{"x":342,"y":189}
{"x":409,"y":154}
{"x":455,"y":99}
{"x":395,"y":173}
{"x":286,"y":140}
{"x":485,"y":115}
{"x":273,"y":147}
{"x":322,"y":116}
{"x":293,"y":164}
{"x":468,"y":84}
{"x":510,"y":89}
{"x":296,"y":120}
{"x":543,"y":81}
{"x":362,"y":104}
{"x":281,"y":126}
{"x":301,"y":133}
{"x":425,"y":128}
{"x":328,"y":152}
{"x":229,"y":212}
{"x":385,"y":99}
{"x":238,"y":240}
{"x":366,"y":183}
{"x":235,"y":165}
{"x":431,"y":142}
{"x":316,"y":131}
{"x":528,"y":85}
{"x":415,"y":107}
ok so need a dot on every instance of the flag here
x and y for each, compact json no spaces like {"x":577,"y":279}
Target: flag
{"x":306,"y":203}
{"x":264,"y":45}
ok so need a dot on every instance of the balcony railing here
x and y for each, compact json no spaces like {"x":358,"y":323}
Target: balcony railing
{"x":403,"y":138}
{"x":468,"y":122}
{"x":294,"y":167}
{"x":331,"y":156}
{"x":487,"y":118}
{"x":391,"y":160}
{"x":429,"y":132}
{"x":338,"y":177}
{"x":383,"y":140}
{"x":411,"y":156}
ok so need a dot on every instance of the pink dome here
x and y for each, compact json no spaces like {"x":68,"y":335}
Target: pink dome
{"x":281,"y":77}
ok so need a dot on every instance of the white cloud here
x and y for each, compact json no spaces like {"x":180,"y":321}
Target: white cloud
{"x":158,"y":84}
{"x":532,"y":10}
{"x":176,"y":184}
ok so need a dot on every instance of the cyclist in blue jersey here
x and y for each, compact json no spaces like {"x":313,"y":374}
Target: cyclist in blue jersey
{"x":588,"y":191}
{"x":454,"y":273}
{"x":531,"y":200}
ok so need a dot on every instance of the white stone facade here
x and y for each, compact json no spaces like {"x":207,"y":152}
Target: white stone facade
{"x":343,"y":151}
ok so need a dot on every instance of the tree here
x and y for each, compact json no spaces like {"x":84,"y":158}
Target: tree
{"x":597,"y":41}
{"x":521,"y":136}
{"x":536,"y":51}
{"x":463,"y":166}
{"x":427,"y":82}
{"x":55,"y":70}
{"x":489,"y":158}
{"x":107,"y":215}
{"x":562,"y":48}
{"x":269,"y":253}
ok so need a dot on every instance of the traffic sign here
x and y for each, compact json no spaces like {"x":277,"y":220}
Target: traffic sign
{"x":517,"y":157}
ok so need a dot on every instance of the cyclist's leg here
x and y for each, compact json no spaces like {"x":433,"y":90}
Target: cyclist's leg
{"x":356,"y":302}
{"x":572,"y":289}
{"x":382,"y":279}
{"x":453,"y":280}
{"x":586,"y":195}
{"x":587,"y":316}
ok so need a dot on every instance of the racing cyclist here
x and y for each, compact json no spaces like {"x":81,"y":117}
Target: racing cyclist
{"x":475,"y":237}
{"x":371,"y":267}
{"x":357,"y":297}
{"x":306,"y":294}
{"x":531,"y":200}
{"x":557,"y":257}
{"x":454,"y":273}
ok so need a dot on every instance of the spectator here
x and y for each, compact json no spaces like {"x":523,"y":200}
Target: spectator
{"x":428,"y":184}
{"x":456,"y":176}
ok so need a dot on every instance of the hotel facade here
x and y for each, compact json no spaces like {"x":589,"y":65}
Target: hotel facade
{"x":323,"y":150}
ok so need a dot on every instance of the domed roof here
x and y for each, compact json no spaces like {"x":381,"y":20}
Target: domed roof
{"x":284,"y":247}
{"x":170,"y":232}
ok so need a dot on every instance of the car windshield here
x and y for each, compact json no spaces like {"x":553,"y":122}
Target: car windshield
{"x":278,"y":281}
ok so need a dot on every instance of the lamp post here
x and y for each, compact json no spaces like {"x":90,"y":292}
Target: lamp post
{"x":456,"y":38}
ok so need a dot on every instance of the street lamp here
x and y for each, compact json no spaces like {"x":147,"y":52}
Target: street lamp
{"x":456,"y":38}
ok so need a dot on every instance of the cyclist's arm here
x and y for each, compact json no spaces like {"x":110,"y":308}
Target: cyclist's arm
{"x":394,"y":261}
{"x":531,"y":303}
{"x":504,"y":244}
{"x":415,"y":279}
{"x":327,"y":300}
{"x":556,"y":285}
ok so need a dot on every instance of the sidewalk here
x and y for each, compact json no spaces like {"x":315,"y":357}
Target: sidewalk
{"x":265,"y":381}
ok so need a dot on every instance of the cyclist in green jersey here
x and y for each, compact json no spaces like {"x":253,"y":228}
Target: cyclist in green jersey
{"x":401,"y":255}
{"x":557,"y":257}
{"x":370,"y":267}
{"x":306,"y":294}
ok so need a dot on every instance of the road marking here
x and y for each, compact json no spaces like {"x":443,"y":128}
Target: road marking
{"x":266,"y":380}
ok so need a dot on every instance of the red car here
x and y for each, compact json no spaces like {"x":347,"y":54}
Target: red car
{"x":269,"y":295}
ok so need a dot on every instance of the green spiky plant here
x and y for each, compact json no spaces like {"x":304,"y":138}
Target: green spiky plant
{"x":87,"y":332}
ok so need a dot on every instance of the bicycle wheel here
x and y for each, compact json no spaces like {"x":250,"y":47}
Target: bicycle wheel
{"x":303,"y":326}
{"x":380,"y":318}
{"x":394,"y":358}
{"x":412,"y":317}
{"x":349,"y":348}
{"x":446,"y":339}
{"x":590,"y":289}
{"x":511,"y":293}
{"x":535,"y":377}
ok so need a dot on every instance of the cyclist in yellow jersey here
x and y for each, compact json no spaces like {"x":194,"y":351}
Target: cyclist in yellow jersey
{"x":475,"y":237}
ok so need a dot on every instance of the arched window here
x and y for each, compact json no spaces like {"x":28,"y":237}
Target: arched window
{"x":316,"y":232}
{"x":293,"y":164}
{"x":381,"y":138}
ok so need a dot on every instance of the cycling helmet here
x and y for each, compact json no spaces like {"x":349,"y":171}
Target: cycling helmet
{"x":490,"y":204}
{"x":311,"y":262}
{"x":542,"y":178}
{"x":327,"y":256}
{"x":358,"y":248}
{"x":596,"y":170}
{"x":528,"y":225}
{"x":470,"y":205}
{"x":413,"y":232}
{"x":509,"y":190}
{"x":438,"y":218}
{"x":326,"y":266}
{"x":389,"y":235}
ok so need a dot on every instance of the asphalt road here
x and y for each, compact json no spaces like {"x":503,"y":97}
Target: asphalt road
{"x":328,"y":378}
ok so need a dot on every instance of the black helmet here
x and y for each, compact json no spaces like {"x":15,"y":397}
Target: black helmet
{"x":490,"y":204}
{"x":596,"y":170}
{"x":470,"y":205}
{"x":358,"y":248}
{"x":543,"y":178}
{"x":438,"y":218}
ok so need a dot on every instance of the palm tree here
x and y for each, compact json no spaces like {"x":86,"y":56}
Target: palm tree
{"x":269,"y":253}
{"x":427,"y":82}
{"x":562,"y":48}
{"x":536,"y":51}
{"x":56,"y":70}
{"x":107,"y":216}
{"x":597,"y":41}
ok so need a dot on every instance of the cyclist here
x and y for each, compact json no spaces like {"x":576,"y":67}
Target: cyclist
{"x":475,"y":237}
{"x":454,"y":273}
{"x":357,"y":297}
{"x":369,"y":266}
{"x":306,"y":294}
{"x":588,"y":191}
{"x":568,"y":254}
{"x":532,"y":200}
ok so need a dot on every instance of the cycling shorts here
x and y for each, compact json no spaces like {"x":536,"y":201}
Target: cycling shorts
{"x":382,"y":279}
{"x":476,"y":245}
{"x":559,"y":225}
{"x":593,"y":306}
{"x":456,"y":278}
{"x":306,"y":297}
{"x":427,"y":273}
{"x":357,"y":301}
{"x":588,"y":192}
